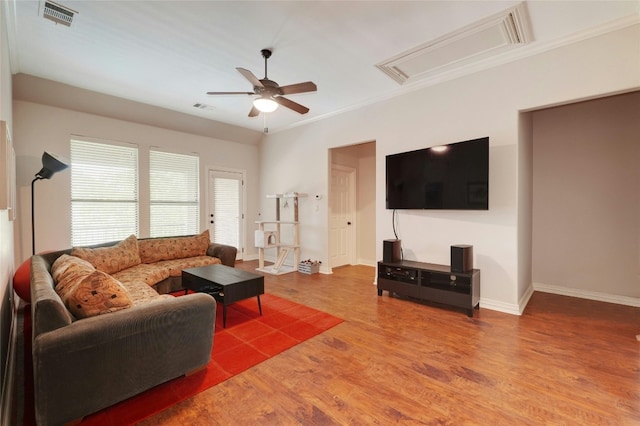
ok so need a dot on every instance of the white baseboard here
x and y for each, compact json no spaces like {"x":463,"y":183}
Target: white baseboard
{"x":591,"y":295}
{"x":508,"y":308}
{"x":496,"y":305}
{"x":367,"y":262}
{"x":524,"y":300}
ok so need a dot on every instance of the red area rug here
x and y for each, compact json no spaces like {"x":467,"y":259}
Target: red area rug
{"x":247,"y":340}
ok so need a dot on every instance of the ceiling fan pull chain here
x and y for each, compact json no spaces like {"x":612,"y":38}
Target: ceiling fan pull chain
{"x":264,"y":121}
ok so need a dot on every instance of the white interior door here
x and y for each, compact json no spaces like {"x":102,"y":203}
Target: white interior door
{"x":342,"y":216}
{"x":226,"y":211}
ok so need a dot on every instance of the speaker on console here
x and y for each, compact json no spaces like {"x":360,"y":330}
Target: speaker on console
{"x":391,"y":251}
{"x":461,"y":258}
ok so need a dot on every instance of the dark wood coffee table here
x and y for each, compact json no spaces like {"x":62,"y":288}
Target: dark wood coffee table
{"x":227,"y":285}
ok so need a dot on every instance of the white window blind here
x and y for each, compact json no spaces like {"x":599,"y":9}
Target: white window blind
{"x":226,"y":211}
{"x":174,"y":194}
{"x":104,"y":192}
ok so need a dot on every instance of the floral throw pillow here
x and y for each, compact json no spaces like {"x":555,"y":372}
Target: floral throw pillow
{"x":96,"y":294}
{"x":111,"y":259}
{"x":85,"y":291}
{"x":169,"y":248}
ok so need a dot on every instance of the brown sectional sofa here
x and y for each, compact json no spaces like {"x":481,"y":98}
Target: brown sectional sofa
{"x":92,"y":351}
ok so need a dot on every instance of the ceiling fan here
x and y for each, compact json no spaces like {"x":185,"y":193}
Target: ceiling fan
{"x":270,"y":93}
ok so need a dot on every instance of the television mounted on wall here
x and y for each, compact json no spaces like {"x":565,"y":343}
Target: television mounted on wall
{"x":445,"y":177}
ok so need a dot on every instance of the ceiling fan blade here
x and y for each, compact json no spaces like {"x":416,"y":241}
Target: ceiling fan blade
{"x":254,"y":112}
{"x":291,"y":105}
{"x":230,"y":93}
{"x":249,"y":76}
{"x":307,"y":86}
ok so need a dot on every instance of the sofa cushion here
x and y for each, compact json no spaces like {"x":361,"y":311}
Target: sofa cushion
{"x":67,"y":269}
{"x":157,"y":249}
{"x":85,"y":291}
{"x":111,"y":259}
{"x":176,"y":266}
{"x":140,"y":292}
{"x":149,"y":273}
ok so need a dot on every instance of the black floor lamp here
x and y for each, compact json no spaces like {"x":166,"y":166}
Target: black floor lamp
{"x":51,"y":164}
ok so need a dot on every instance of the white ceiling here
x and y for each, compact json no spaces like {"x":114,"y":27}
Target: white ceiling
{"x":169,"y":53}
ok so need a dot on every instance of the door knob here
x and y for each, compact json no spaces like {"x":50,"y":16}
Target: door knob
{"x":348,"y":223}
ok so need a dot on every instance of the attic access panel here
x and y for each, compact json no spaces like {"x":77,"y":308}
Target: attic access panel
{"x":481,"y":40}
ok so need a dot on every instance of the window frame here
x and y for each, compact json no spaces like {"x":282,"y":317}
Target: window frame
{"x":81,"y":229}
{"x":189,"y":204}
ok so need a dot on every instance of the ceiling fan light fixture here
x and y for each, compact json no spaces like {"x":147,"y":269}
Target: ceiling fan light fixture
{"x":264,"y":104}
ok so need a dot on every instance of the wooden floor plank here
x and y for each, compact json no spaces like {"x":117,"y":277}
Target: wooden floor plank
{"x":393,"y":361}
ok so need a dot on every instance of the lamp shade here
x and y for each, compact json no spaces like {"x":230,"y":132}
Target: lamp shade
{"x":51,"y":164}
{"x":265,"y":104}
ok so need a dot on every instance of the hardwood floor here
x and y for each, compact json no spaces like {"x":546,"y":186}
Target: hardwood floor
{"x":565,"y":361}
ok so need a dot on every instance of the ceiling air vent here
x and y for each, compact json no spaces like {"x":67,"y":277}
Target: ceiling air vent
{"x":479,"y":41}
{"x":202,"y":106}
{"x":58,"y":13}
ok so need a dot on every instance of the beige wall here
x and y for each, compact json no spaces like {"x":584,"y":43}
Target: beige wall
{"x":586,"y":215}
{"x":525,"y":207}
{"x":367,"y":205}
{"x":6,"y":226}
{"x":486,"y":103}
{"x":40,"y":128}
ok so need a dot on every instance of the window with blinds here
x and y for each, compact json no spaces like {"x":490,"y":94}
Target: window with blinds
{"x":104,"y":192}
{"x":174,"y":186}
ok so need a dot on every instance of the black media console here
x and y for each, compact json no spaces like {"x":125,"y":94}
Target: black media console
{"x":430,"y":282}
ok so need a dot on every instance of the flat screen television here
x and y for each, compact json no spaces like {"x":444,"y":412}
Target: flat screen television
{"x":446,"y":177}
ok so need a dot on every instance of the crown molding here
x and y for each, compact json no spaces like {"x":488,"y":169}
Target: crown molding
{"x":9,"y":13}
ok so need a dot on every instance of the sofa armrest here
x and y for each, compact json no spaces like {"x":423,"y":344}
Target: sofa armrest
{"x":47,"y":310}
{"x":96,"y":362}
{"x":226,"y":254}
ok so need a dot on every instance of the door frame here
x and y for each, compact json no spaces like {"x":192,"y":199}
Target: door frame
{"x":351,"y":235}
{"x":243,"y":201}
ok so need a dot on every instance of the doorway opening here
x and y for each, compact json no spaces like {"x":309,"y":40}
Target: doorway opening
{"x":352,"y":205}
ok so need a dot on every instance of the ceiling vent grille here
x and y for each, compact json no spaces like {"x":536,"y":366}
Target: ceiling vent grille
{"x":479,"y":41}
{"x":58,"y":13}
{"x":202,"y":106}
